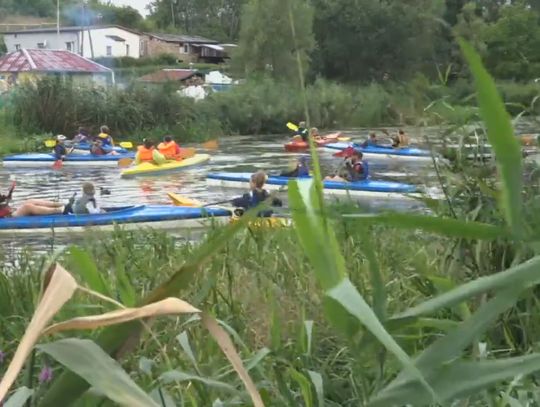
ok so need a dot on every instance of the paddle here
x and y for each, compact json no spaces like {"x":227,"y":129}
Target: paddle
{"x":179,"y":200}
{"x":292,"y":126}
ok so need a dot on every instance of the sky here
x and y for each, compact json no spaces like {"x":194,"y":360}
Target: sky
{"x":137,"y":4}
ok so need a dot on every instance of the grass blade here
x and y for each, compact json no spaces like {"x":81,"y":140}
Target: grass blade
{"x":80,"y":262}
{"x":19,"y":398}
{"x":501,"y":136}
{"x":90,"y":362}
{"x":317,"y":381}
{"x":178,"y":376}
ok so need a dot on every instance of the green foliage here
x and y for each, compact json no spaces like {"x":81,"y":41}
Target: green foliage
{"x":267,"y":45}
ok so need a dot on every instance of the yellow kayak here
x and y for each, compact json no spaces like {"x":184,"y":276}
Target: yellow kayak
{"x":148,"y":168}
{"x":272,"y":222}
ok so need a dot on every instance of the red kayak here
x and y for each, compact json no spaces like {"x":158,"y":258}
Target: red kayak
{"x":302,"y":145}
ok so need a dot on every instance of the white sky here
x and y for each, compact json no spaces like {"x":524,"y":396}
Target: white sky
{"x":137,"y":4}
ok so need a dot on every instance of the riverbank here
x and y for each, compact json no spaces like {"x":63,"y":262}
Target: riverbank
{"x":256,"y":107}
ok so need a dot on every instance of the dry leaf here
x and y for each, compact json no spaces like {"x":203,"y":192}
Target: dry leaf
{"x":168,"y":306}
{"x":58,"y":290}
{"x":227,"y":346}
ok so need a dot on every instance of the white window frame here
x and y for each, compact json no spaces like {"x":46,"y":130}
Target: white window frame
{"x":108,"y":50}
{"x":127,"y":50}
{"x":41,"y":45}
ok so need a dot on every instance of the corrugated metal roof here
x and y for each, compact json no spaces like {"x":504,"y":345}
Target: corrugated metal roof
{"x":168,"y":75}
{"x":48,"y":60}
{"x":192,"y":39}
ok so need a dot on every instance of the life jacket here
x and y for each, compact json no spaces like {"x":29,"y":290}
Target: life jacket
{"x":145,"y":154}
{"x":5,"y":211}
{"x":80,"y":204}
{"x":257,"y":196}
{"x":169,"y":150}
{"x":97,"y":150}
{"x":106,"y":139}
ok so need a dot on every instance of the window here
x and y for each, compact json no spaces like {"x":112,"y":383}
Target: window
{"x":127,"y":50}
{"x":186,"y":49}
{"x":70,"y":45}
{"x":41,"y":45}
{"x":109,"y":51}
{"x":17,"y":47}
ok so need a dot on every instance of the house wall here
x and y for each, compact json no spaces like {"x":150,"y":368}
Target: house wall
{"x":100,"y":42}
{"x":50,"y":40}
{"x":154,"y":47}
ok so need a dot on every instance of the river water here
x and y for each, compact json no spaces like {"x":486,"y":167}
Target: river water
{"x":235,"y":153}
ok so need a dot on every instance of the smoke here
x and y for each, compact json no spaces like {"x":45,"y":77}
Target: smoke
{"x":82,"y":15}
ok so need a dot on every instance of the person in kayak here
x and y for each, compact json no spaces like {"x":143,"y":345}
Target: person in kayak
{"x":60,"y":151}
{"x":87,"y":203}
{"x":256,"y":196}
{"x":82,"y":137}
{"x":301,"y":132}
{"x":314,"y":133}
{"x":400,"y":140}
{"x":30,"y":207}
{"x":169,"y":148}
{"x":105,"y":136}
{"x":372,"y":141}
{"x":300,"y":168}
{"x":352,"y":168}
{"x":148,"y":153}
{"x":97,"y":149}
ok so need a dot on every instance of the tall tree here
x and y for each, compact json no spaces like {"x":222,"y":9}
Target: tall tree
{"x":219,"y":19}
{"x":369,"y":40}
{"x":267,"y":44}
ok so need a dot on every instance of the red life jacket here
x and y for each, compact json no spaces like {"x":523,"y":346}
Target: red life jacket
{"x":5,"y":211}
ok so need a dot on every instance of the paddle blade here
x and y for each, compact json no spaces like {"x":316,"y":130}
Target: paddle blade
{"x":211,"y":145}
{"x":187,"y":153}
{"x":50,"y":143}
{"x":292,"y":126}
{"x":344,"y":139}
{"x":179,"y":200}
{"x":58,"y":164}
{"x":126,"y":144}
{"x":125,"y":162}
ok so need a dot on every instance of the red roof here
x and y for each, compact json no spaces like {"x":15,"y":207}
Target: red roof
{"x":166,"y":75}
{"x":48,"y":60}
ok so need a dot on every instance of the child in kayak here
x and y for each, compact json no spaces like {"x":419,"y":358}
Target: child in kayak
{"x":257,"y":195}
{"x":82,"y":136}
{"x":87,"y":203}
{"x":105,"y":137}
{"x":371,"y":141}
{"x":30,"y":207}
{"x":60,"y":151}
{"x":169,"y":148}
{"x":400,"y":140}
{"x":98,"y":149}
{"x":148,"y":153}
{"x":301,"y":132}
{"x":301,"y":168}
{"x":352,"y":168}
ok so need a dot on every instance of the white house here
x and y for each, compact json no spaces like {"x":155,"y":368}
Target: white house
{"x":89,"y":42}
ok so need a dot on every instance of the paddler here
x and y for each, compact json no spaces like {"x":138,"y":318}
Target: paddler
{"x":60,"y":151}
{"x":400,"y":140}
{"x":30,"y":207}
{"x":352,"y":168}
{"x":87,"y":203}
{"x":372,"y":141}
{"x":256,"y":195}
{"x":300,"y":168}
{"x":81,"y":137}
{"x":314,"y":133}
{"x":148,"y":153}
{"x":105,"y":136}
{"x":169,"y":148}
{"x":302,"y":132}
{"x":97,"y":149}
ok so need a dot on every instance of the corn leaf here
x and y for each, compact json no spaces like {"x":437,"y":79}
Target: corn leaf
{"x":80,"y":262}
{"x":91,"y":363}
{"x":19,"y":398}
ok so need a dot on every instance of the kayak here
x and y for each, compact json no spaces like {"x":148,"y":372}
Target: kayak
{"x":45,"y":160}
{"x":263,"y":222}
{"x":84,"y":148}
{"x":303,"y":145}
{"x":147,"y":168}
{"x":386,"y":152}
{"x":366,"y":188}
{"x":129,"y":217}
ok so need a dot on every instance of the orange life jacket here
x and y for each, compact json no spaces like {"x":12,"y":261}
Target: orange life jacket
{"x":145,"y":154}
{"x":169,"y":150}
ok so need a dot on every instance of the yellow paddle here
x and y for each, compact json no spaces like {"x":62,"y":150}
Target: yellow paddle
{"x":179,"y":200}
{"x":292,"y":126}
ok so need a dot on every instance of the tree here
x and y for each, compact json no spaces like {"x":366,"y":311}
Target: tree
{"x":267,"y":44}
{"x":368,"y":40}
{"x":217,"y":19}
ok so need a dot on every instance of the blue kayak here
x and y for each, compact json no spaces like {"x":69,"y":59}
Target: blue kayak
{"x":367,"y":188}
{"x":43,"y":160}
{"x":385,"y":152}
{"x":162,"y":217}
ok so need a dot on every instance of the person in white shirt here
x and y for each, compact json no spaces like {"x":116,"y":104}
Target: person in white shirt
{"x":87,"y":204}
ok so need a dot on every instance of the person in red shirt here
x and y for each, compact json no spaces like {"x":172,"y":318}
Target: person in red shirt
{"x":169,"y":148}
